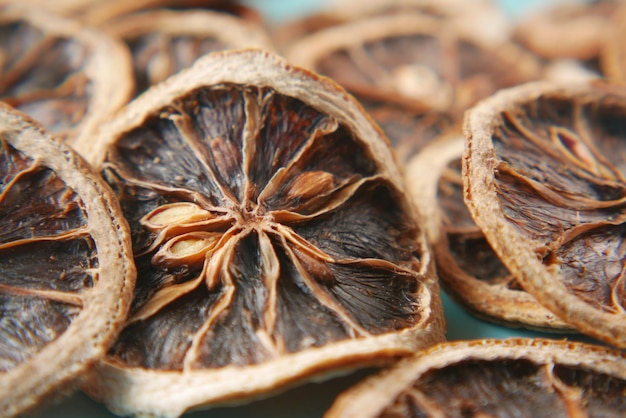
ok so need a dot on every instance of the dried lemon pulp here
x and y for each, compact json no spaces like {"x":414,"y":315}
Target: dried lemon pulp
{"x":67,"y":76}
{"x":544,"y":180}
{"x":516,"y":377}
{"x":272,"y":236}
{"x":66,"y":271}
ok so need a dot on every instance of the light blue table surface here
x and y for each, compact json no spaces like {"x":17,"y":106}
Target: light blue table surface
{"x":311,"y":400}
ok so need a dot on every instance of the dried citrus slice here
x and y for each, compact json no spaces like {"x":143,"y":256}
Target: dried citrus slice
{"x":408,"y":129}
{"x":471,"y":273}
{"x":164,"y":42}
{"x":66,"y":271}
{"x":68,"y":77}
{"x":273,"y":238}
{"x":480,"y":16}
{"x":418,"y":58}
{"x":494,"y":378}
{"x":544,"y":180}
{"x":575,"y":30}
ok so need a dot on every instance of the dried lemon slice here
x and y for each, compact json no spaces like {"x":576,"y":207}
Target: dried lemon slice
{"x":494,"y":378}
{"x":273,"y":238}
{"x":66,"y":271}
{"x":577,"y":30}
{"x":418,"y":58}
{"x":408,"y":130}
{"x":68,"y":77}
{"x":471,"y":273}
{"x":479,"y":16}
{"x":164,"y":42}
{"x":544,"y":180}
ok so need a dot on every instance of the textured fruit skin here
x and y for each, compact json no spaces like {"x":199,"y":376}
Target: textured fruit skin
{"x":469,"y":269}
{"x":273,"y":237}
{"x":512,"y":377}
{"x":78,"y":241}
{"x":66,"y":75}
{"x":543,"y":179}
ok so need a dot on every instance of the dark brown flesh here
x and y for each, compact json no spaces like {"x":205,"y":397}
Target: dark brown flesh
{"x":260,"y":228}
{"x":46,"y":256}
{"x":511,"y":389}
{"x":43,"y":76}
{"x":408,"y":130}
{"x":560,"y":181}
{"x":467,"y":244}
{"x":457,"y":72}
{"x":157,"y":55}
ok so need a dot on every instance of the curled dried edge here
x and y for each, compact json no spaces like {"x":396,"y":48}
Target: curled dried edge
{"x":233,"y":31}
{"x":161,"y":28}
{"x":104,"y":307}
{"x":378,"y":394}
{"x":469,"y":15}
{"x":522,"y":255}
{"x":417,"y":85}
{"x":108,"y":66}
{"x":494,"y":302}
{"x":568,"y":30}
{"x":137,"y":390}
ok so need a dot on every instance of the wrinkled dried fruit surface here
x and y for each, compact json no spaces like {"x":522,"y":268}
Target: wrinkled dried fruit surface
{"x":59,"y":308}
{"x":45,"y":90}
{"x":263,"y":228}
{"x":462,"y":13}
{"x":469,"y":269}
{"x":409,"y":130}
{"x":577,"y":30}
{"x":57,"y":71}
{"x":503,"y":378}
{"x":239,"y":222}
{"x":555,"y":187}
{"x":413,"y":57}
{"x":164,"y":42}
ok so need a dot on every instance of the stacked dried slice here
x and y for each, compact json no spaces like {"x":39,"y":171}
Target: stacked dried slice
{"x":544,"y":180}
{"x":272,"y":233}
{"x":414,"y":58}
{"x":570,"y":38}
{"x":68,"y":77}
{"x":66,"y":270}
{"x":408,"y":129}
{"x":470,"y":272}
{"x":478,"y":16}
{"x":164,"y":42}
{"x":576,"y":30}
{"x":415,"y":74}
{"x":495,"y":378}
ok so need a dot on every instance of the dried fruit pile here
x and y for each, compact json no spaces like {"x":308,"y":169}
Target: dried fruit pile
{"x":217,"y":209}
